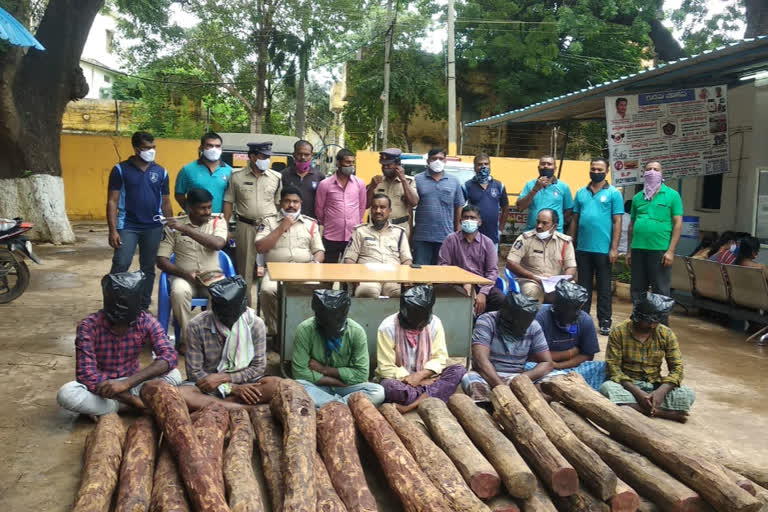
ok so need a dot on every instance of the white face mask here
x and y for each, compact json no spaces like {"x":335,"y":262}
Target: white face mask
{"x":436,"y":166}
{"x":262,"y":165}
{"x":544,"y":235}
{"x":733,"y":247}
{"x":294,"y":215}
{"x":148,"y":155}
{"x":212,"y":154}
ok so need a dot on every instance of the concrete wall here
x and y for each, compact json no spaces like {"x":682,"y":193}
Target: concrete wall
{"x":98,"y":116}
{"x":99,"y":80}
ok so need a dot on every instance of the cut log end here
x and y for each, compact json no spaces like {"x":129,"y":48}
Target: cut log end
{"x":565,"y":481}
{"x":626,"y":501}
{"x":503,"y":504}
{"x":485,"y":485}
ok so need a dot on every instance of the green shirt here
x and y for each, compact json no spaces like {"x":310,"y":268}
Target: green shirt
{"x":652,"y":219}
{"x":351,"y":359}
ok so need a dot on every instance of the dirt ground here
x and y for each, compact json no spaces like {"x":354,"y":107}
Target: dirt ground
{"x":43,"y":444}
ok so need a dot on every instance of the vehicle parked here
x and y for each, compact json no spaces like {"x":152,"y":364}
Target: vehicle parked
{"x":14,"y":273}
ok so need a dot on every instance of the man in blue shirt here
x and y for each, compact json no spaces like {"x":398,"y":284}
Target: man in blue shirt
{"x":571,"y":335}
{"x":138,"y":190}
{"x":596,"y":231}
{"x":490,"y":196}
{"x":207,"y":172}
{"x":439,"y":211}
{"x":546,"y":192}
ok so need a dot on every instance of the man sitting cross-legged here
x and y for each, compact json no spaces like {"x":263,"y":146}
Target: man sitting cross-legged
{"x":227,"y":351}
{"x":330,"y":352}
{"x":412,"y":356}
{"x":633,"y":358}
{"x":107,"y":349}
{"x":502,"y":342}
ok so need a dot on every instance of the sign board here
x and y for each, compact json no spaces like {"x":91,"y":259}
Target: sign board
{"x":685,"y":130}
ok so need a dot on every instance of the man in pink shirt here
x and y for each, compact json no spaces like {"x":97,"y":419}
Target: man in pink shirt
{"x":340,"y":205}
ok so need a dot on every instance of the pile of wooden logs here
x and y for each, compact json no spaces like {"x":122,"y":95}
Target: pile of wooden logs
{"x":579,"y":453}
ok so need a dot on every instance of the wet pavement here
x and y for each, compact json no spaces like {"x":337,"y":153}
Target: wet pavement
{"x":43,"y":444}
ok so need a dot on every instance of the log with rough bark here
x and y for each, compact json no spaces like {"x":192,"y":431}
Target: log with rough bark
{"x":637,"y":471}
{"x":168,"y":494}
{"x":703,"y":475}
{"x":197,"y":472}
{"x":292,"y":406}
{"x":593,"y":472}
{"x":553,"y":469}
{"x":539,"y":502}
{"x":336,"y":442}
{"x":327,"y":499}
{"x":625,"y":499}
{"x":647,"y":505}
{"x":581,"y":501}
{"x":415,"y":490}
{"x":103,"y":453}
{"x":514,"y":472}
{"x":243,"y":490}
{"x":503,"y":503}
{"x":269,"y":436}
{"x":448,"y":434}
{"x":211,"y":425}
{"x":434,"y":462}
{"x":134,"y":493}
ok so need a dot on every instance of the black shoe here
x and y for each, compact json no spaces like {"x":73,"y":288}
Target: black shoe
{"x":605,"y":329}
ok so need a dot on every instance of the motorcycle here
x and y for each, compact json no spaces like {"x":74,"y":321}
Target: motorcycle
{"x":14,"y":273}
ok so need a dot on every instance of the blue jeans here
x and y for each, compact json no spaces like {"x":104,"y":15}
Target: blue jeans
{"x":321,"y":395}
{"x":425,"y":253}
{"x":148,"y":242}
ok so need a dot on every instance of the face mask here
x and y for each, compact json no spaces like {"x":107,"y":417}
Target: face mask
{"x":436,"y":166}
{"x":228,"y":299}
{"x":733,"y":247}
{"x":388,"y":173}
{"x":331,"y":308}
{"x":652,"y":180}
{"x":544,"y":235}
{"x":547,"y":173}
{"x":212,"y":154}
{"x":416,"y":307}
{"x":148,"y":155}
{"x":122,"y":296}
{"x":293,"y":215}
{"x":262,"y":165}
{"x":469,"y":226}
{"x":348,"y":170}
{"x":596,"y":177}
{"x":483,"y":175}
{"x":303,"y":167}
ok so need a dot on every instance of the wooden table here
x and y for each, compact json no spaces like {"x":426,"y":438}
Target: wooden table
{"x":454,"y":308}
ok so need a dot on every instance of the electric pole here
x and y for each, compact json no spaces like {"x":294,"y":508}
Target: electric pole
{"x":451,"y":81}
{"x":385,"y":94}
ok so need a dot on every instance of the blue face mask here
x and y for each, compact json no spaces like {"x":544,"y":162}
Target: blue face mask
{"x":469,"y":226}
{"x":483,"y":175}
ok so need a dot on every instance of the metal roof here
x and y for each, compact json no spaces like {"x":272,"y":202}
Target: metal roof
{"x":724,"y":65}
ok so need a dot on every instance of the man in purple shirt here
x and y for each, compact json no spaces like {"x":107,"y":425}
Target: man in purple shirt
{"x":340,"y":205}
{"x":474,"y":252}
{"x":107,"y":349}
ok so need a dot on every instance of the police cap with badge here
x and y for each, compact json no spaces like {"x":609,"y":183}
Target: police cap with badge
{"x":264,"y":148}
{"x":390,"y":156}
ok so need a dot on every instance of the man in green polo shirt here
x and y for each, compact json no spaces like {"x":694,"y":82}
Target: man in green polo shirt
{"x":330,"y":352}
{"x":207,"y":172}
{"x":654,"y":231}
{"x":546,"y":192}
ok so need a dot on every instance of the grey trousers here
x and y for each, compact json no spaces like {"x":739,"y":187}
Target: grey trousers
{"x":647,"y":271}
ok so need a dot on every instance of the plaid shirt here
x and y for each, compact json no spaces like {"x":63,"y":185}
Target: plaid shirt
{"x":205,"y":344}
{"x":629,"y":359}
{"x":103,"y":355}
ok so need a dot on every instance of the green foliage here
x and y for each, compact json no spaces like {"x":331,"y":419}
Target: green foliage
{"x":703,"y":30}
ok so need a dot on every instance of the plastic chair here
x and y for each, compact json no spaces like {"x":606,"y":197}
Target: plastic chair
{"x":164,"y":295}
{"x":514,"y":287}
{"x":502,"y":285}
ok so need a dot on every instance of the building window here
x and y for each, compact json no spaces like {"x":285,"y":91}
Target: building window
{"x":107,"y":79}
{"x":711,"y":191}
{"x":110,"y":39}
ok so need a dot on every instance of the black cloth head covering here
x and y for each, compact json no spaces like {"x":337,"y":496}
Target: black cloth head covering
{"x":516,"y":315}
{"x":228,"y":299}
{"x":652,"y":308}
{"x":122,"y":296}
{"x":569,"y":298}
{"x":331,"y":308}
{"x":416,"y":307}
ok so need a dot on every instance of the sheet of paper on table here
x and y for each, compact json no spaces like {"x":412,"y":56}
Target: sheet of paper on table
{"x":380,"y":266}
{"x":549,"y":283}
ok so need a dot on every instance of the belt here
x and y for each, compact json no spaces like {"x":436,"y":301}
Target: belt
{"x":252,"y":222}
{"x":399,"y":220}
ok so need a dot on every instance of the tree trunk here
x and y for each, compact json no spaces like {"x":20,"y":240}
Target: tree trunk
{"x":703,"y":475}
{"x":135,"y":486}
{"x":757,"y":18}
{"x":327,"y":499}
{"x":168,"y":494}
{"x":270,"y":441}
{"x":243,"y":491}
{"x":301,"y":107}
{"x":103,"y":453}
{"x":211,"y":425}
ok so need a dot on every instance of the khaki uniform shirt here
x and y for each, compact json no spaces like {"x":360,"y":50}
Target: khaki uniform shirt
{"x":394,"y":190}
{"x":297,"y":245}
{"x":254,"y":194}
{"x":551,"y":256}
{"x":192,"y":256}
{"x":388,"y":246}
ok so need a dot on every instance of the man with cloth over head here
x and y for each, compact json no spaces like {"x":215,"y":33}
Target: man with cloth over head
{"x":571,"y":335}
{"x":107,"y":349}
{"x":330,"y":352}
{"x":633,"y":358}
{"x":398,"y":187}
{"x":412,"y":359}
{"x":227,"y":352}
{"x":502,"y":342}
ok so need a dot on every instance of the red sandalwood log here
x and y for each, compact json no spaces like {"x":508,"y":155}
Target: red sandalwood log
{"x":134,"y":493}
{"x":582,"y":501}
{"x":503,"y":503}
{"x":539,"y":502}
{"x":211,"y":425}
{"x":327,"y":499}
{"x":625,"y":499}
{"x":168,"y":493}
{"x":103,"y":453}
{"x":243,"y":490}
{"x":269,"y":437}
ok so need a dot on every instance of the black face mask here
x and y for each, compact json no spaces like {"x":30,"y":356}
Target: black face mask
{"x":416,"y":307}
{"x":331,"y":308}
{"x":122,"y":296}
{"x":228,"y":299}
{"x":516,"y":315}
{"x":547,"y":173}
{"x":597,"y":177}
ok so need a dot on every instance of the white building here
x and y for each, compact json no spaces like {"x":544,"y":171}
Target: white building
{"x":99,"y":59}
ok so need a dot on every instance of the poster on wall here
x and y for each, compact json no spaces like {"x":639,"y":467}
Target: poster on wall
{"x":685,"y":130}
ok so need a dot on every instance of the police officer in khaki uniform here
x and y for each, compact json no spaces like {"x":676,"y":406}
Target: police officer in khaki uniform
{"x":400,"y":189}
{"x":253,"y":193}
{"x":379,"y":242}
{"x":543,"y":252}
{"x":288,"y":237}
{"x":196,"y":242}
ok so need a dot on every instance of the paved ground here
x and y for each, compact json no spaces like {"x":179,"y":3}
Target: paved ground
{"x":43,"y":445}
